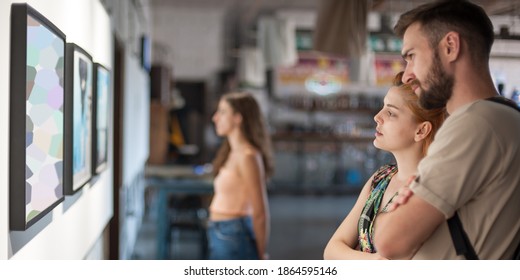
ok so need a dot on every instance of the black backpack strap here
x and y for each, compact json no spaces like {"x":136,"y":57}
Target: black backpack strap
{"x":516,"y":256}
{"x":460,"y":239}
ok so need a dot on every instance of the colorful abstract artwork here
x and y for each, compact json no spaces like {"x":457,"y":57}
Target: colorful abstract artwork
{"x":78,"y":121}
{"x":101,"y":117}
{"x":36,"y":116}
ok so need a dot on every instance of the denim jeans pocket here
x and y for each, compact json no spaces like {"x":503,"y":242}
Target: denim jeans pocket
{"x":229,"y":231}
{"x":230,"y":240}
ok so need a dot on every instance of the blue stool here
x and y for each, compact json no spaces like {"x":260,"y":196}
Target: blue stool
{"x":188,"y":215}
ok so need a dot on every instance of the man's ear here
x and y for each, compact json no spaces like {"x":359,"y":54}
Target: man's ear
{"x":450,"y":46}
{"x":423,"y":130}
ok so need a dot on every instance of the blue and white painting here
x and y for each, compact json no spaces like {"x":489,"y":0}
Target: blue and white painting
{"x":103,"y":87}
{"x":82,"y":120}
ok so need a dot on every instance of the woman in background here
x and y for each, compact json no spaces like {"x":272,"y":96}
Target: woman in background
{"x":239,"y":212}
{"x":406,"y":131}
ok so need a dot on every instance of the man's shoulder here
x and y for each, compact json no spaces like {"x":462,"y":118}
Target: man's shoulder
{"x":496,"y":123}
{"x":491,"y":108}
{"x":484,"y":111}
{"x":477,"y":120}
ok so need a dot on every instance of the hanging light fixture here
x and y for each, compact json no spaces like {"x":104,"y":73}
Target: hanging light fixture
{"x":341,"y":27}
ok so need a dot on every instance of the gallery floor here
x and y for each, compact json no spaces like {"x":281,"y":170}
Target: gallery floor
{"x":300,"y":228}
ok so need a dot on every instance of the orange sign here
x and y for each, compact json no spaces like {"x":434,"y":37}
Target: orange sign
{"x":313,"y":74}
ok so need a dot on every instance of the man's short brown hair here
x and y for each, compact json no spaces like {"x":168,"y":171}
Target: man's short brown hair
{"x":436,"y":19}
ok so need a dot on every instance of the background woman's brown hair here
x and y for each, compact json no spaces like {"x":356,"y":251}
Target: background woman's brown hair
{"x":253,"y":128}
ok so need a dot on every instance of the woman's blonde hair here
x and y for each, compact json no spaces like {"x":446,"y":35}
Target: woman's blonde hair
{"x":435,"y":116}
{"x":252,"y":127}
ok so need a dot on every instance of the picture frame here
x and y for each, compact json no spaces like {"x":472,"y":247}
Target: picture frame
{"x":146,"y":52}
{"x":78,"y":118}
{"x":37,"y":99}
{"x":100,"y":118}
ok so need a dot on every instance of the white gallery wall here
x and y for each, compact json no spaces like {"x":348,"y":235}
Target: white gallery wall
{"x":136,"y":137}
{"x":72,"y":228}
{"x":130,"y":20}
{"x":194,"y":38}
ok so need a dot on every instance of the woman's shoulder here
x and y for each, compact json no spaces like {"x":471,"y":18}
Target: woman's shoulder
{"x":248,"y":158}
{"x":249,"y":151}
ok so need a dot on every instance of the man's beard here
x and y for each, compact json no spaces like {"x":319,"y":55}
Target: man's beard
{"x":440,"y":86}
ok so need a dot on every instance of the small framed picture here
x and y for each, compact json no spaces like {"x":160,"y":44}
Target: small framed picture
{"x":100,"y":114}
{"x":78,"y":118}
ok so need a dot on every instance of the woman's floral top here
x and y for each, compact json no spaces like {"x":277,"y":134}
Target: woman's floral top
{"x":368,"y":215}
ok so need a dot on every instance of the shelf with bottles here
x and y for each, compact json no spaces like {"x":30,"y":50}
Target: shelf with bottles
{"x":323,"y":144}
{"x":328,"y":168}
{"x":321,"y":126}
{"x":335,"y":103}
{"x":319,"y":137}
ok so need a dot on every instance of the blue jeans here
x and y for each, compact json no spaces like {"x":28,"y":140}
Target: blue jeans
{"x":232,"y":240}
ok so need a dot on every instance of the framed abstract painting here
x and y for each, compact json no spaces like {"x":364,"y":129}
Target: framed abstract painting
{"x":100,"y":114}
{"x":78,"y":118}
{"x":36,"y":143}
